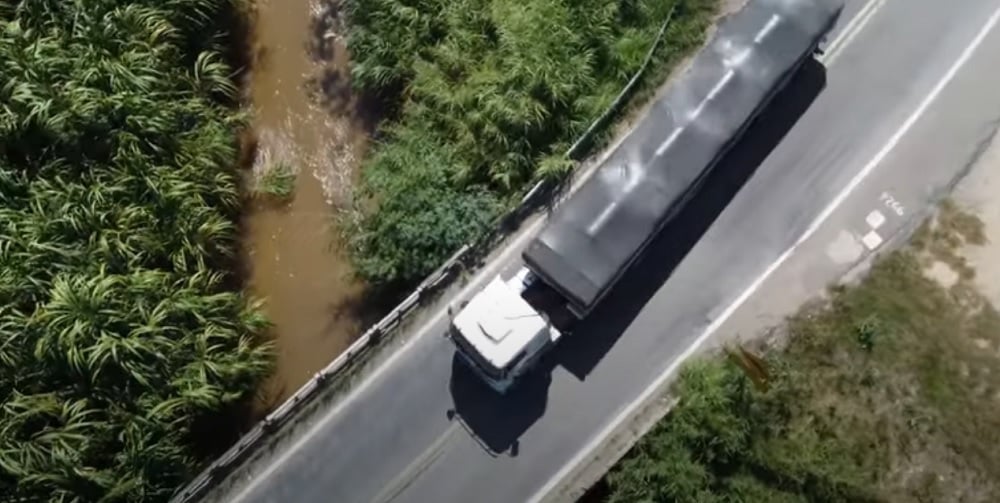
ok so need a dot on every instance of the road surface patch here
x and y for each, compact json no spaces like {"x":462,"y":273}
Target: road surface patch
{"x":875,"y":219}
{"x":872,"y":240}
{"x":845,"y":249}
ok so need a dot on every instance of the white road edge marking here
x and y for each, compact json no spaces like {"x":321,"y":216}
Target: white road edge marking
{"x":478,"y":280}
{"x":746,"y":294}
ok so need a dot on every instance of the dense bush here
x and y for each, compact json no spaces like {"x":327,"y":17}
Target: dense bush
{"x":486,"y":96}
{"x":119,"y":326}
{"x":727,"y":442}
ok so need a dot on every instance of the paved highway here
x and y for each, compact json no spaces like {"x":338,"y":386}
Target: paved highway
{"x":907,"y":96}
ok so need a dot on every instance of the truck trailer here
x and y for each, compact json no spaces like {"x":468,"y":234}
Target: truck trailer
{"x":592,"y":237}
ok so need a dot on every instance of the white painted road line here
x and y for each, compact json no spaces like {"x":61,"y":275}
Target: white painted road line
{"x":851,"y":30}
{"x":655,"y":386}
{"x":669,"y":141}
{"x":771,"y":23}
{"x":712,"y":94}
{"x":418,"y":466}
{"x":602,"y":218}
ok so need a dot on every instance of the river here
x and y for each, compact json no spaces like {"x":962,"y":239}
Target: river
{"x":304,"y":115}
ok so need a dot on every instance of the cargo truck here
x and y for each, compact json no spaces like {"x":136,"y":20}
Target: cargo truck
{"x":595,"y":234}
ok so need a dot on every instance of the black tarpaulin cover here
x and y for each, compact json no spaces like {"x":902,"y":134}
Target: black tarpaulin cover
{"x":593,"y":236}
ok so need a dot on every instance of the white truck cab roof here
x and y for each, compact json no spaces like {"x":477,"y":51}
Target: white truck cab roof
{"x":499,"y":323}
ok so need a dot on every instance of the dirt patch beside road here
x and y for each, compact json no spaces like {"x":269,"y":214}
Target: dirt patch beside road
{"x":979,"y":194}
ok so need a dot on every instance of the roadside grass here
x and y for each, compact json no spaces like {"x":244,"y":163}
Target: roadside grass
{"x":887,"y":390}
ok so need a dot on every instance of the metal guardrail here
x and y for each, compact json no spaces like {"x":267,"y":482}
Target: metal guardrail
{"x":250,"y":441}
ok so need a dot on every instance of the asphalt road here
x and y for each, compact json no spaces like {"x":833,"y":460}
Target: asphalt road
{"x":420,"y":428}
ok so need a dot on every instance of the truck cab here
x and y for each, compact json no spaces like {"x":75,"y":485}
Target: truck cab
{"x":499,"y":333}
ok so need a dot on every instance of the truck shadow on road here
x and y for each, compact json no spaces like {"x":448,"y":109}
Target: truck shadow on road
{"x":494,"y":420}
{"x":497,"y":421}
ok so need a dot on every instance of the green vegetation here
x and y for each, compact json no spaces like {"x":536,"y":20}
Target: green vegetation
{"x":277,"y":181}
{"x":727,"y":442}
{"x":486,"y":96}
{"x":888,"y":391}
{"x":120,"y":330}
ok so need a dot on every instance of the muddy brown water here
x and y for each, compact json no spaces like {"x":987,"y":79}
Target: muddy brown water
{"x":304,"y":116}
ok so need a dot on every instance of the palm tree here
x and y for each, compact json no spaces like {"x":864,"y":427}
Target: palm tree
{"x":117,"y":196}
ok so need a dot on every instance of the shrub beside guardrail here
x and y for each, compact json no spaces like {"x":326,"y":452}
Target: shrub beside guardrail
{"x":540,"y":191}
